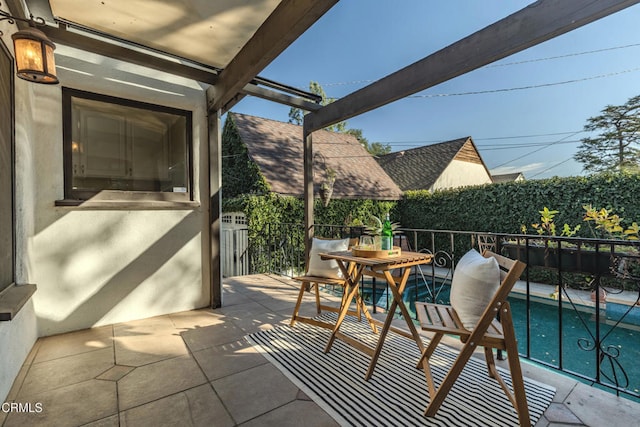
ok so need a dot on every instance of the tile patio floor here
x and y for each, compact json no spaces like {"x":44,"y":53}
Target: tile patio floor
{"x":195,"y":369}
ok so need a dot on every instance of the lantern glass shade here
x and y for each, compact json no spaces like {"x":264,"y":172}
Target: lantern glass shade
{"x":35,"y":61}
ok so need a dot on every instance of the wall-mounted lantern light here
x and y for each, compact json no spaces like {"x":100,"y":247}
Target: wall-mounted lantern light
{"x":34,"y":56}
{"x":33,"y":50}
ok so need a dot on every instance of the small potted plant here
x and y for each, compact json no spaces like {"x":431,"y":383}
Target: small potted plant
{"x":371,"y":240}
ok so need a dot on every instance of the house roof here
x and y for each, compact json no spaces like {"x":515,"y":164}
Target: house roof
{"x":419,"y":168}
{"x":276,"y":147}
{"x":507,"y":177}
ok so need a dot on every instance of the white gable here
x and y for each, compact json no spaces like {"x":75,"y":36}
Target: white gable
{"x":460,"y":174}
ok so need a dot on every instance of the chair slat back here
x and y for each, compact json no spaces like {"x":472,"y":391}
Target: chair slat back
{"x":514,"y":269}
{"x":510,"y":270}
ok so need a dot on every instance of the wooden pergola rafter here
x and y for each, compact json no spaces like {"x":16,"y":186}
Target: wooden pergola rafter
{"x":532,"y":25}
{"x":287,"y":22}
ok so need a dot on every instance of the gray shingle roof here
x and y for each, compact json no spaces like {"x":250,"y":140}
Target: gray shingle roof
{"x":277,"y":148}
{"x":419,"y":168}
{"x":507,"y":177}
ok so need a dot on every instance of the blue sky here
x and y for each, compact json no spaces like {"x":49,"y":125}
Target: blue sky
{"x":535,"y":130}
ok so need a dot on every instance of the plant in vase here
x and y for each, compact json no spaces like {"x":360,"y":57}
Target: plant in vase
{"x":373,"y":229}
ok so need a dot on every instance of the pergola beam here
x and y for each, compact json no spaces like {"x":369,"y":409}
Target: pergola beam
{"x":122,"y":53}
{"x":279,"y":97}
{"x":119,"y":52}
{"x":286,"y":23}
{"x":307,"y":12}
{"x":309,"y":220}
{"x":536,"y":23}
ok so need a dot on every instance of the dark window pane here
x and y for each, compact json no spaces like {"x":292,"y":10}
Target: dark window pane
{"x":115,"y":146}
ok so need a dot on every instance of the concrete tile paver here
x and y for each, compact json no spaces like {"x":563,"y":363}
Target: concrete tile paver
{"x":195,"y":368}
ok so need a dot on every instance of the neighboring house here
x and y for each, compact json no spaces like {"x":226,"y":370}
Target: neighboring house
{"x":508,"y":177}
{"x":434,"y":167}
{"x":276,"y":150}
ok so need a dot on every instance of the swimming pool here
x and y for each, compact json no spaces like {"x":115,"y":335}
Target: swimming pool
{"x":619,"y":345}
{"x":575,"y":353}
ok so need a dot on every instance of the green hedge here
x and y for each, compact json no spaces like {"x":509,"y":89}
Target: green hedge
{"x":505,"y":207}
{"x":499,"y":208}
{"x":273,"y":209}
{"x":276,"y":229}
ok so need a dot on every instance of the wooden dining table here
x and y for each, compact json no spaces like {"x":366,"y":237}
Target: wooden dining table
{"x":395,"y":270}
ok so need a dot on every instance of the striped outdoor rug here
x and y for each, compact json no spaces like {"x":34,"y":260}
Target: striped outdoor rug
{"x":397,"y":394}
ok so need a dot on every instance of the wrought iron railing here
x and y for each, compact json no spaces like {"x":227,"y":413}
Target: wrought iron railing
{"x":564,"y":320}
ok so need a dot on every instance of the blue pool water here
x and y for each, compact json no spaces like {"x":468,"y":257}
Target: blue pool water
{"x":620,"y":346}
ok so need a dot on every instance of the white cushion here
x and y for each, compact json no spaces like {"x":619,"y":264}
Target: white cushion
{"x":325,"y":268}
{"x":475,"y":281}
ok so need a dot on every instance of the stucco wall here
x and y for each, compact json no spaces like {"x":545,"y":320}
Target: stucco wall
{"x":18,"y":335}
{"x":460,"y":174}
{"x":102,"y":266}
{"x":16,"y":339}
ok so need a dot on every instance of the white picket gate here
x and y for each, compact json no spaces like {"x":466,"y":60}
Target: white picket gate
{"x":234,"y":241}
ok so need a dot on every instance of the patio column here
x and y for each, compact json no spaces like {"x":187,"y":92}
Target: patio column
{"x":308,"y":189}
{"x":211,"y":230}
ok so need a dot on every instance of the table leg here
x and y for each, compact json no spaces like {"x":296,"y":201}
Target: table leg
{"x":414,"y":332}
{"x":361,"y":306}
{"x":367,"y":315}
{"x":351,"y":289}
{"x":397,"y":296}
{"x":397,"y":301}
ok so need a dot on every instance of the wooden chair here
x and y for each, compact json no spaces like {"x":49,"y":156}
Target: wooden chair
{"x":488,"y":332}
{"x":313,"y":283}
